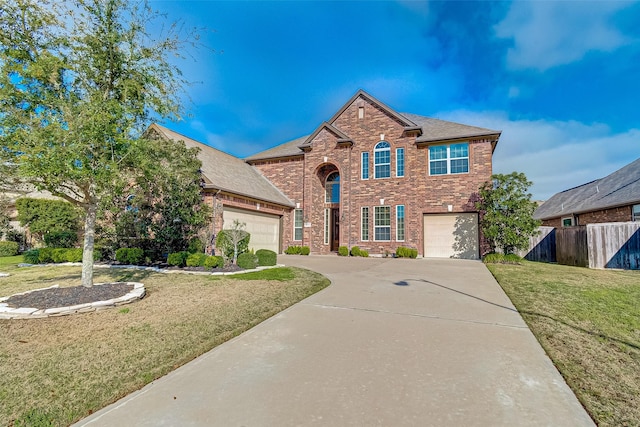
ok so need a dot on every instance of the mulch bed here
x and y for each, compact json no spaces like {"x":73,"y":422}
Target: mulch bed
{"x":65,"y":297}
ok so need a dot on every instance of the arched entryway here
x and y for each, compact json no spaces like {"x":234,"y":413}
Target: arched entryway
{"x":329,"y":176}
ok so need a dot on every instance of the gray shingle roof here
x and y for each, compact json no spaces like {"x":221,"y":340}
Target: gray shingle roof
{"x":620,"y":188}
{"x":433,"y":130}
{"x":228,"y":173}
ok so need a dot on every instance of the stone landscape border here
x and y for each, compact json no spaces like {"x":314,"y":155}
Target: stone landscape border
{"x":6,"y":312}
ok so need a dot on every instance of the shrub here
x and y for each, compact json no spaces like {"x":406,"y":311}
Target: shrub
{"x":498,"y":258}
{"x":9,"y":248}
{"x":247,"y":261}
{"x":364,"y":254}
{"x":132,"y":256}
{"x":355,"y":251}
{"x":343,"y":251}
{"x":293,"y":250}
{"x":178,"y":258}
{"x":403,"y":252}
{"x":98,"y":254}
{"x":32,"y":256}
{"x":59,"y":255}
{"x":305,"y":250}
{"x":45,"y":255}
{"x":75,"y":255}
{"x":15,"y":236}
{"x":266,"y":257}
{"x":195,"y":246}
{"x":214,"y":262}
{"x":225,"y":241}
{"x":196,"y":260}
{"x":61,"y":239}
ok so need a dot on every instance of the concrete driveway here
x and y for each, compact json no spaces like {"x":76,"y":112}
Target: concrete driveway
{"x":392,"y":342}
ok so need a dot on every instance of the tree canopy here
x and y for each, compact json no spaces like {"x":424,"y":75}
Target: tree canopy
{"x":80,"y":81}
{"x":507,"y":212}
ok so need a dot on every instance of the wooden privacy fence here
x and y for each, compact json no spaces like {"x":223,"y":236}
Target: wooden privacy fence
{"x":609,"y":245}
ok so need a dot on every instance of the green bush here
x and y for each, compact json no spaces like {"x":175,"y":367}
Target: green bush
{"x":305,"y":250}
{"x":403,"y":252}
{"x":75,"y":255}
{"x":32,"y":256}
{"x":45,"y":255}
{"x":247,"y":261}
{"x":61,"y":239}
{"x":293,"y":250}
{"x":343,"y":251}
{"x":266,"y":257}
{"x":133,"y":256}
{"x":364,"y":254}
{"x":355,"y":251}
{"x":178,"y":259}
{"x":195,"y":246}
{"x":9,"y":248}
{"x":98,"y":254}
{"x":214,"y":262}
{"x":196,"y":260}
{"x":59,"y":255}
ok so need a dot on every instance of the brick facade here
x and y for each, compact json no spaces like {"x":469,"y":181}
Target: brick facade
{"x":618,"y":214}
{"x":302,"y":179}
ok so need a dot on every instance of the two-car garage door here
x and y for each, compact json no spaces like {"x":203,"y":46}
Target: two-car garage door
{"x":264,"y":228}
{"x":451,"y":235}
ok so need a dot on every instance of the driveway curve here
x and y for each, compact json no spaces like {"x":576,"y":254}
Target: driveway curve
{"x":392,"y":342}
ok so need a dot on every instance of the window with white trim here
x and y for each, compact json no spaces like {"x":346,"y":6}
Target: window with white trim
{"x":364,"y":223}
{"x":399,"y":162}
{"x":382,"y":223}
{"x":449,"y":159}
{"x":567,"y":222}
{"x":364,"y":165}
{"x":382,"y":160}
{"x":635,"y":213}
{"x":400,"y":223}
{"x":327,"y":213}
{"x":332,"y":187}
{"x":297,"y":224}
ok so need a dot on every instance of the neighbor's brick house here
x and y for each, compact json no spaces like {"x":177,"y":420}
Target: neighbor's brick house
{"x":614,"y":198}
{"x":368,"y":177}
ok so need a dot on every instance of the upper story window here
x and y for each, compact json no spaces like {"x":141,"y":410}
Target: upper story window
{"x":365,"y":165}
{"x":399,"y":162}
{"x":382,"y":160}
{"x":449,"y":159}
{"x":635,"y":213}
{"x":332,"y":188}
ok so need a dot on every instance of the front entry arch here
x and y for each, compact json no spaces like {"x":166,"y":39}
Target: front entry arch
{"x":329,"y":177}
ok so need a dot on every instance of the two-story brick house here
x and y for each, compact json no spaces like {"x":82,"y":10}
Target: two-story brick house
{"x":378,"y":179}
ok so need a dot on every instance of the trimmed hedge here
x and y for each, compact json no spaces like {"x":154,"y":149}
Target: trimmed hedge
{"x":9,"y":248}
{"x":343,"y":251}
{"x":247,"y":261}
{"x":32,"y":256}
{"x":196,"y":260}
{"x":178,"y":259}
{"x":133,"y":256}
{"x":355,"y":251}
{"x":298,"y":250}
{"x":305,"y":250}
{"x":266,"y":257}
{"x":403,"y":252}
{"x":75,"y":255}
{"x":214,"y":262}
{"x":61,"y":239}
{"x":45,"y":255}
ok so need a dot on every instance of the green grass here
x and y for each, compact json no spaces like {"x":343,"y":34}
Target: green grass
{"x":12,"y":261}
{"x":55,"y":371}
{"x":588,"y":321}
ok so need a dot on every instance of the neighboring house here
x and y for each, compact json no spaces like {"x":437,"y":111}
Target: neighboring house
{"x":614,"y":198}
{"x":235,"y":190}
{"x":368,"y":177}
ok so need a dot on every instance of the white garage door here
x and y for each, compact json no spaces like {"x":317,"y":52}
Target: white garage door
{"x":451,"y":236}
{"x":264,"y":228}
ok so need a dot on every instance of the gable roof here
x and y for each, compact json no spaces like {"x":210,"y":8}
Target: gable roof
{"x":228,"y":173}
{"x":427,"y":130}
{"x":620,"y":188}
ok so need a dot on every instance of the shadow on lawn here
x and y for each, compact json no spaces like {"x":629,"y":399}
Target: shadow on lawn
{"x":585,"y":331}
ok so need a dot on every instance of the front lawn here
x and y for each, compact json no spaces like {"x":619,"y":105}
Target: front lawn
{"x":55,"y":371}
{"x":588,"y":321}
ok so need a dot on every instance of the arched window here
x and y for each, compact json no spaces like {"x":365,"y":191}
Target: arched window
{"x":332,"y":187}
{"x":382,"y":160}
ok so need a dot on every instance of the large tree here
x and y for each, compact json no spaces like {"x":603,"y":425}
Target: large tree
{"x":507,"y":212}
{"x":79,"y":82}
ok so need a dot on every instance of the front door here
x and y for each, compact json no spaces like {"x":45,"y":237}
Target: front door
{"x":335,"y":229}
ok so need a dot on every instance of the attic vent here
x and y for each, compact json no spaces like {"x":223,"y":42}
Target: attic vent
{"x":361,"y":112}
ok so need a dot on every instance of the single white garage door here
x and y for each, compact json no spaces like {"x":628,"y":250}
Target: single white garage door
{"x":264,"y":228}
{"x":451,"y":235}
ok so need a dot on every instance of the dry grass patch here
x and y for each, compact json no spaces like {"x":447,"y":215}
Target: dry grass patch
{"x":588,"y":321}
{"x":58,"y":370}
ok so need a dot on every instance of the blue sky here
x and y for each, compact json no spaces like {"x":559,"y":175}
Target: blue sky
{"x":561,"y":79}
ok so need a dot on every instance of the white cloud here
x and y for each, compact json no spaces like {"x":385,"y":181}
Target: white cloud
{"x":550,"y":33}
{"x":555,"y":155}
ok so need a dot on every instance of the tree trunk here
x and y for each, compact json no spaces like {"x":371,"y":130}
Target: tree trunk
{"x":87,"y":249}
